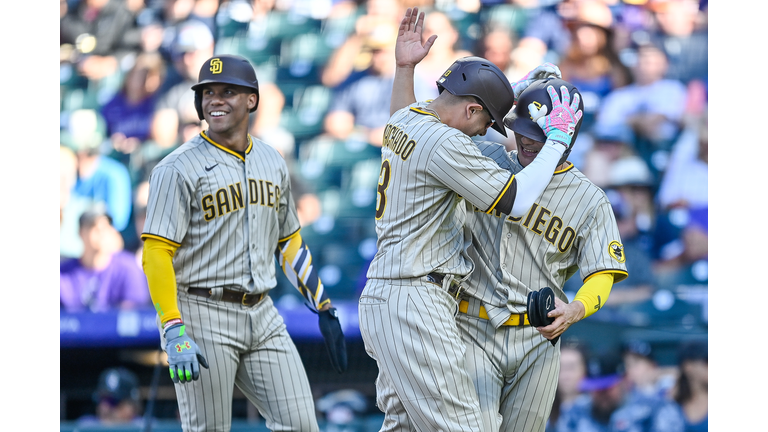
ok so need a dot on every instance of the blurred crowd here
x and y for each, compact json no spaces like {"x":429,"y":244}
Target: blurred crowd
{"x":325,"y":70}
{"x":634,"y":388}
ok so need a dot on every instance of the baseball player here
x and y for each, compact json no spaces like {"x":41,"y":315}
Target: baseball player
{"x":430,"y":165}
{"x":220,"y":209}
{"x":570,"y":227}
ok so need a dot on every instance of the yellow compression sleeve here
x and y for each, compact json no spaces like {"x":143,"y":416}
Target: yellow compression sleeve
{"x":594,"y":293}
{"x":157,"y":260}
{"x":296,"y":261}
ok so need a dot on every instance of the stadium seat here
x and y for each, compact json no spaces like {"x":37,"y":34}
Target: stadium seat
{"x":303,"y":117}
{"x":505,"y":15}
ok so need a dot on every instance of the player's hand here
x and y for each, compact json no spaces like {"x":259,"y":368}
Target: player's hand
{"x":560,"y":124}
{"x":542,"y":71}
{"x":184,"y":356}
{"x":565,"y":315}
{"x":409,"y":50}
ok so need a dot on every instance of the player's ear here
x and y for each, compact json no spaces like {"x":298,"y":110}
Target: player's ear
{"x":472,"y":108}
{"x":253,"y":99}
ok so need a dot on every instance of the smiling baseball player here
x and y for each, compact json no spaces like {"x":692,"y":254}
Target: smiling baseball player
{"x":220,"y":210}
{"x":430,"y":165}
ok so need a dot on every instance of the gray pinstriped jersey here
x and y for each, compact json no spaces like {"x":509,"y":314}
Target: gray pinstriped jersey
{"x":426,"y":167}
{"x":226,"y":212}
{"x":571,"y":225}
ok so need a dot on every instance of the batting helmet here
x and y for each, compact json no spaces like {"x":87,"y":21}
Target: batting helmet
{"x":225,"y":69}
{"x":478,"y":77}
{"x":536,"y":93}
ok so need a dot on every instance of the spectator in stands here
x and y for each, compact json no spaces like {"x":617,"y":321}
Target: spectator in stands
{"x":71,"y":206}
{"x":683,"y":34}
{"x":645,"y":377}
{"x":685,"y":180}
{"x":440,"y":57}
{"x":99,"y":177}
{"x":192,"y":47}
{"x":351,"y":59}
{"x":590,"y":62}
{"x":105,"y":277}
{"x":266,"y":121}
{"x":610,"y":142}
{"x":497,"y":46}
{"x":129,"y":113}
{"x":609,"y":409}
{"x":545,"y":36}
{"x":104,"y":31}
{"x":342,"y":409}
{"x":140,"y":199}
{"x":685,"y":259}
{"x":362,"y":106}
{"x":683,"y":199}
{"x":652,"y":106}
{"x":691,"y":389}
{"x":117,"y":399}
{"x":173,"y":15}
{"x":67,"y":178}
{"x":573,"y":370}
{"x":630,"y":190}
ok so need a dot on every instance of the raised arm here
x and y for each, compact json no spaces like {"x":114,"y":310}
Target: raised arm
{"x":409,"y":51}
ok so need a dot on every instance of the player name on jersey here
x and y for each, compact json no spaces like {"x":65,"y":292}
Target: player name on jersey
{"x":397,"y":140}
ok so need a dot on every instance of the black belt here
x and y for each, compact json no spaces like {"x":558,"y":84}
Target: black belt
{"x":230,"y":296}
{"x":437,"y":278}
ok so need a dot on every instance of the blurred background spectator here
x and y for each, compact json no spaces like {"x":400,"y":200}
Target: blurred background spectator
{"x":104,"y":277}
{"x":100,"y":178}
{"x":611,"y":407}
{"x":652,"y":106}
{"x":129,"y":113}
{"x":681,"y":30}
{"x":645,"y":376}
{"x":573,"y":370}
{"x":691,"y":388}
{"x":591,"y":62}
{"x":325,"y":70}
{"x":361,"y":104}
{"x":104,"y":32}
{"x":441,"y":56}
{"x":117,"y":399}
{"x":343,"y":410}
{"x":192,"y":46}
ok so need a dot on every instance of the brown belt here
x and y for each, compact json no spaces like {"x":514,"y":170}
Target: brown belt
{"x":230,"y":296}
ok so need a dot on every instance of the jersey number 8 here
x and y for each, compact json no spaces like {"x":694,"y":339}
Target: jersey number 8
{"x":381,"y":196}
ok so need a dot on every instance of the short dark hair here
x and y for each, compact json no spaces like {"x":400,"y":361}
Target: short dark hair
{"x":89,"y":217}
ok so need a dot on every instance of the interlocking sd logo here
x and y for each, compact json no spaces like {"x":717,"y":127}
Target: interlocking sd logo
{"x":216,"y":66}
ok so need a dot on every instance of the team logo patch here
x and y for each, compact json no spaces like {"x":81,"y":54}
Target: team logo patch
{"x":216,"y":66}
{"x":616,"y":250}
{"x":537,"y":110}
